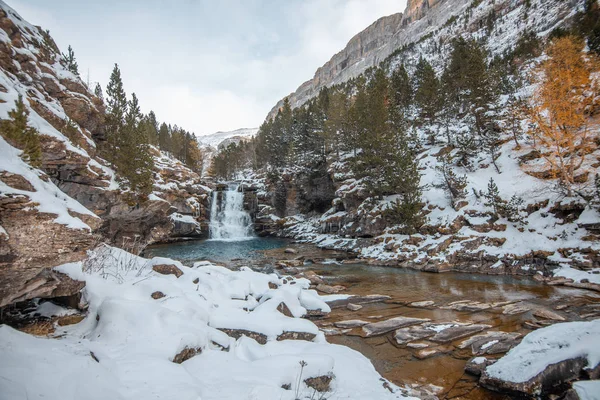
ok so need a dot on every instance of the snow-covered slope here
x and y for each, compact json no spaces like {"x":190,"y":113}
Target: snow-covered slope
{"x":215,"y":139}
{"x":149,"y":335}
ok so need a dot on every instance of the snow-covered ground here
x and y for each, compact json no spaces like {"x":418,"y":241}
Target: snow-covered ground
{"x":124,"y":348}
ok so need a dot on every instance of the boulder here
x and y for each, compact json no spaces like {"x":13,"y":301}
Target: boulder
{"x":492,"y":342}
{"x":330,"y":289}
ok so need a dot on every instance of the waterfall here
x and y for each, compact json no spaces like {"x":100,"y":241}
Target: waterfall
{"x":228,"y":219}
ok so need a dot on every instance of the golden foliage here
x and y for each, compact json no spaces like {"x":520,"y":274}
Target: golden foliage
{"x":560,"y":114}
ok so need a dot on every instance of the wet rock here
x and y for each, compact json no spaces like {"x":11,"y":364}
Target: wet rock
{"x":543,"y":383}
{"x":492,"y":342}
{"x":417,"y":345}
{"x":406,"y":335}
{"x":372,"y":298}
{"x":330,"y":289}
{"x":352,"y":323}
{"x":313,"y":277}
{"x":167,"y":269}
{"x":458,"y":331}
{"x":157,"y":295}
{"x":379,"y":328}
{"x":290,"y":251}
{"x":467,"y":305}
{"x":475,"y":366}
{"x":354,"y":307}
{"x":431,"y":352}
{"x":513,"y":309}
{"x":427,"y":303}
{"x":548,"y":314}
{"x":186,"y":354}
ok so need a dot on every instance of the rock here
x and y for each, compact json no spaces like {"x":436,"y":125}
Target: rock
{"x":379,"y":328}
{"x":475,"y":366}
{"x":186,"y":354}
{"x":417,"y":345}
{"x":548,"y":314}
{"x":513,"y":309}
{"x":70,"y":319}
{"x":457,"y":331}
{"x":372,"y":298}
{"x":296,"y":336}
{"x":427,"y":303}
{"x":290,"y":251}
{"x":467,"y":305}
{"x":406,"y":335}
{"x":313,"y":277}
{"x":353,"y":307}
{"x":196,"y":281}
{"x":352,"y":323}
{"x":491,"y":342}
{"x":330,"y":289}
{"x":334,"y":331}
{"x":167,"y":269}
{"x":238,"y":333}
{"x":157,"y":295}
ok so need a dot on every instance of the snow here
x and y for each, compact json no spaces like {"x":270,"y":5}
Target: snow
{"x":134,"y":338}
{"x":547,"y":346}
{"x":215,"y":139}
{"x":479,"y":360}
{"x":49,"y":198}
{"x":587,"y":390}
{"x":188,"y":219}
{"x":565,"y":271}
{"x":49,"y":309}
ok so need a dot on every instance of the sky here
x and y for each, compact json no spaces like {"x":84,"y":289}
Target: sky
{"x":205,"y":65}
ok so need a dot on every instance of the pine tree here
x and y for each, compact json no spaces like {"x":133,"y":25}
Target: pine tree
{"x":16,"y":131}
{"x":427,"y":92}
{"x":69,"y":60}
{"x":493,"y":198}
{"x":400,"y":96}
{"x":98,"y":92}
{"x":453,"y":184}
{"x":116,"y":103}
{"x":164,"y":138}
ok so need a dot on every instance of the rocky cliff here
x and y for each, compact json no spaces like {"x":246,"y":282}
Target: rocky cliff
{"x":377,"y":42}
{"x":52,"y":215}
{"x":428,"y":24}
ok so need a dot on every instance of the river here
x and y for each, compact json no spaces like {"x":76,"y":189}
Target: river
{"x":442,"y":373}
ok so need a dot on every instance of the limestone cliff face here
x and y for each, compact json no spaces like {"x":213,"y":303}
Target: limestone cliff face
{"x":373,"y":45}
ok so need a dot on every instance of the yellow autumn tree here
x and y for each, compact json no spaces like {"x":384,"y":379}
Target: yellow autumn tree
{"x":560,"y":113}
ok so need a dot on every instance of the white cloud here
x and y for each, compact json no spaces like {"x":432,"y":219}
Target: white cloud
{"x":201,"y":64}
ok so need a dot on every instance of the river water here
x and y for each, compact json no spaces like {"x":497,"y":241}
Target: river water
{"x":442,"y":374}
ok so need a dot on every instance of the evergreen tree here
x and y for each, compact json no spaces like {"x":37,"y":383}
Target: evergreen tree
{"x":16,"y":131}
{"x":493,"y":198}
{"x":98,"y":92}
{"x":453,"y":184}
{"x":69,"y":60}
{"x":400,"y":96}
{"x":116,"y":103}
{"x":427,"y":91}
{"x":164,"y":138}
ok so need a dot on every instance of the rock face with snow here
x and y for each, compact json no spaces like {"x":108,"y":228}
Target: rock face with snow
{"x":49,"y":216}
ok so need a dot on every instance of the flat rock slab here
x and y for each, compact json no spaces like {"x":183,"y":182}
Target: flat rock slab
{"x":458,"y":331}
{"x":492,"y":342}
{"x":548,"y":314}
{"x":354,"y":307}
{"x":513,"y":309}
{"x":351,"y":323}
{"x":406,"y":335}
{"x":427,"y":303}
{"x":372,"y":298}
{"x":467,"y":305}
{"x":334,"y":331}
{"x":379,"y":328}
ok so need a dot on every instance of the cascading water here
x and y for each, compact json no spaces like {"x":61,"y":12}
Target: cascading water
{"x":228,"y":219}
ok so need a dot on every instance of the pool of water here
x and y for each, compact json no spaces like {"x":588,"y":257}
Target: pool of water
{"x":220,"y":251}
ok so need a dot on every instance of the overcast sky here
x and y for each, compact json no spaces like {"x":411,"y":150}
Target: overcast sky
{"x":205,"y":65}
